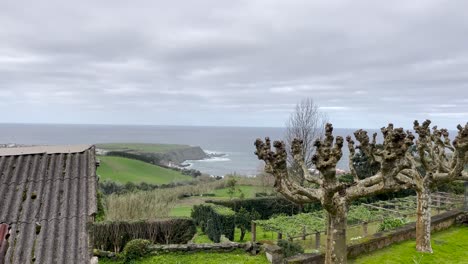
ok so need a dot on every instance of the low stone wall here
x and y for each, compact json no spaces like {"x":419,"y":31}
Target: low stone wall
{"x":213,"y":247}
{"x":382,"y":239}
{"x":252,"y":248}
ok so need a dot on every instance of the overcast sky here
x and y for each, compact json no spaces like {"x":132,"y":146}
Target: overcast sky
{"x":233,"y":63}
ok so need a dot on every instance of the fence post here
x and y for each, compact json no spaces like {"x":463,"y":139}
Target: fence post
{"x":438,"y":204}
{"x":254,"y":231}
{"x":304,"y":233}
{"x":317,"y":240}
{"x":365,"y":229}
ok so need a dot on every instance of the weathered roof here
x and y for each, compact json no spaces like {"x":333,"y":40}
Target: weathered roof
{"x":47,"y":197}
{"x":43,"y":149}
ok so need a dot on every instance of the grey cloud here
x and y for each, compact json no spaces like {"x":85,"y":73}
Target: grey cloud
{"x":234,"y":62}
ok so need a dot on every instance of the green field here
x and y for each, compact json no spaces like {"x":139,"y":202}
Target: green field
{"x":449,"y":246}
{"x":248,"y":191}
{"x":125,"y":170}
{"x":141,"y":147}
{"x":184,"y":208}
{"x":181,"y":210}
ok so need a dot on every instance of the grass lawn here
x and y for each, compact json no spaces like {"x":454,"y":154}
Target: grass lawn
{"x":262,"y":235}
{"x":247,"y":190}
{"x":201,"y":238}
{"x":141,"y":147}
{"x":184,"y":208}
{"x":125,"y":170}
{"x":181,"y":210}
{"x":234,"y":257}
{"x":449,"y":246}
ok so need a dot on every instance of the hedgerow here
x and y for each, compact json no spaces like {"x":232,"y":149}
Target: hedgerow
{"x":113,"y":235}
{"x":215,"y":220}
{"x":265,"y":206}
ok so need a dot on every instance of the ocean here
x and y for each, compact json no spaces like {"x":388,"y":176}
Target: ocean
{"x":237,"y":143}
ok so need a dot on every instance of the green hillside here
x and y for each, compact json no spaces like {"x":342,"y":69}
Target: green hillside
{"x":125,"y":170}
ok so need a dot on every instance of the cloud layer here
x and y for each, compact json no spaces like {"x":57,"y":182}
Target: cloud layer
{"x":243,"y":63}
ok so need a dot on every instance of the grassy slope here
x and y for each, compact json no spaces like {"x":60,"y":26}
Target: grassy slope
{"x":141,"y":147}
{"x":125,"y":170}
{"x":450,"y":246}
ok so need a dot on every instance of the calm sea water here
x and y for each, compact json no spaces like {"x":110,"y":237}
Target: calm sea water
{"x":235,"y":142}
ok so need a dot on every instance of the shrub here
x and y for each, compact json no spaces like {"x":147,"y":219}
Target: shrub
{"x":290,"y":248}
{"x":114,"y":235}
{"x":244,"y":219}
{"x":392,"y":223}
{"x":100,"y":214}
{"x":136,"y":249}
{"x":215,"y":220}
{"x":265,"y":206}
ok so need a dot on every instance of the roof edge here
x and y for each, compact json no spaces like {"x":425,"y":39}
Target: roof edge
{"x":16,"y":151}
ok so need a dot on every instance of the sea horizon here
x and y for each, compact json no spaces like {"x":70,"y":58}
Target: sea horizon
{"x":237,"y":143}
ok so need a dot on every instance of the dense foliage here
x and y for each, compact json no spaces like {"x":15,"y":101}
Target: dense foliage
{"x":290,"y":248}
{"x":114,"y":235}
{"x":392,"y":223}
{"x":296,"y":225}
{"x":100,"y":214}
{"x":244,"y":219}
{"x":136,"y":249}
{"x":293,"y":226}
{"x":361,"y":213}
{"x":265,"y":206}
{"x":215,"y":220}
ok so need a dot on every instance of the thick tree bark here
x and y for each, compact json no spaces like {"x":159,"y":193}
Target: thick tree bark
{"x":423,"y":222}
{"x":336,"y":250}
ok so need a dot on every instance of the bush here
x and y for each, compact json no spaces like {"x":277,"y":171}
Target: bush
{"x":244,"y":220}
{"x":290,"y":248}
{"x":392,"y":223}
{"x":215,"y":220}
{"x":100,"y":214}
{"x":265,"y":206}
{"x":114,"y":235}
{"x":136,"y":249}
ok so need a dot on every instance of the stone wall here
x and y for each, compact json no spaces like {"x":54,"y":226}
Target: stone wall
{"x":382,"y":239}
{"x":212,"y":247}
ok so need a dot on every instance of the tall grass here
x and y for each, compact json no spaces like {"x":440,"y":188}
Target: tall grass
{"x":152,"y":204}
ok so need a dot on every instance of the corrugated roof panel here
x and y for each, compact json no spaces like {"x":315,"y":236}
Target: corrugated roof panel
{"x":47,"y":199}
{"x":4,"y":232}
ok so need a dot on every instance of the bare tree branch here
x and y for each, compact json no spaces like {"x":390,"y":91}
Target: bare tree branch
{"x":306,"y":123}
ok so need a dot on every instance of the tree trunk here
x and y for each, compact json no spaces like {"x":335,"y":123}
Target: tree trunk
{"x":336,"y":250}
{"x":242,"y":234}
{"x":423,"y":222}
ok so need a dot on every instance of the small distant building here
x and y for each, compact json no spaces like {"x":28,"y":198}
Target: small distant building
{"x":47,"y":199}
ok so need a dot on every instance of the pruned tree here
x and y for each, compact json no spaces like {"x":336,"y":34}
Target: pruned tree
{"x":336,"y":196}
{"x":431,"y":166}
{"x":306,"y":123}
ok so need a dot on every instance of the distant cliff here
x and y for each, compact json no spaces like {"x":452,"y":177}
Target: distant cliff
{"x":173,"y":156}
{"x":180,"y":155}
